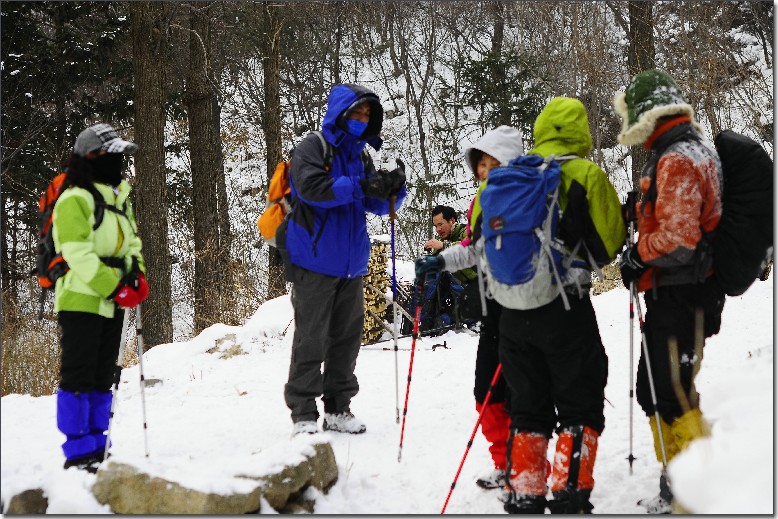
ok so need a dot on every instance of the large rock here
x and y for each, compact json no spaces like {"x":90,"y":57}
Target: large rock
{"x":128,"y":491}
{"x":29,"y":502}
{"x":319,"y":471}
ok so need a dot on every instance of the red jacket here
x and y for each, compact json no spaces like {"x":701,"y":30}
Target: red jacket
{"x":685,"y":209}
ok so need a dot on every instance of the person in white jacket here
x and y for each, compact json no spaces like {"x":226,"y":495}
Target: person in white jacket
{"x":495,"y":148}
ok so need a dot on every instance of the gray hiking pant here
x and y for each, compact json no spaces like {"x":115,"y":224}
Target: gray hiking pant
{"x":328,"y":316}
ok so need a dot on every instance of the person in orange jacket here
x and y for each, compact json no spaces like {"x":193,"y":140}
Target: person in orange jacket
{"x":671,"y":262}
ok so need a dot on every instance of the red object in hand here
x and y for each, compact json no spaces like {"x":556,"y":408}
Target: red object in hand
{"x":143,"y":288}
{"x":127,"y":297}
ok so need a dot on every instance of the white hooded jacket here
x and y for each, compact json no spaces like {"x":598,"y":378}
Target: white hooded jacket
{"x":504,"y":144}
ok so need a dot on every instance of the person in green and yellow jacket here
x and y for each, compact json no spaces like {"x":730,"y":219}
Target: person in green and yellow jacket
{"x":553,"y":359}
{"x":95,"y":231}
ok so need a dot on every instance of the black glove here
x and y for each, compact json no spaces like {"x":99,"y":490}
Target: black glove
{"x":630,"y":265}
{"x":628,"y":208}
{"x":395,"y":179}
{"x":376,"y":185}
{"x":428,"y":264}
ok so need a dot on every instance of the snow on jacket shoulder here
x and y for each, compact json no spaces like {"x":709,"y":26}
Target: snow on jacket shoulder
{"x":685,"y":207}
{"x":590,"y":204}
{"x":89,"y":281}
{"x":327,"y":231}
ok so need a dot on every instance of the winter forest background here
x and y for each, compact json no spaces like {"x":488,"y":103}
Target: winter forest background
{"x":216,"y":93}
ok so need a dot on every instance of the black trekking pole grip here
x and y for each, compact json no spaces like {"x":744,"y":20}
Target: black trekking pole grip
{"x":629,"y":206}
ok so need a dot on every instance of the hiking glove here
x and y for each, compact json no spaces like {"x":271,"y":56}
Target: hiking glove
{"x":375,"y":186}
{"x":125,"y":296}
{"x":628,"y":208}
{"x":142,"y":287}
{"x":137,"y":281}
{"x":428,"y":264}
{"x":396,"y":178}
{"x":631,"y":266}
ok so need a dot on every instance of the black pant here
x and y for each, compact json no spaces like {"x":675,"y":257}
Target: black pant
{"x":90,"y":347}
{"x":487,"y":358}
{"x":328,"y":317}
{"x":672,"y":314}
{"x":555,"y":366}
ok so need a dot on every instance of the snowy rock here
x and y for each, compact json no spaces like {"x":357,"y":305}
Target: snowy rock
{"x":29,"y":502}
{"x":319,"y":471}
{"x":127,"y":490}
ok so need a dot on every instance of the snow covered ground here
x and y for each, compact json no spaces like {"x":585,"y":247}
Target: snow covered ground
{"x":216,"y":415}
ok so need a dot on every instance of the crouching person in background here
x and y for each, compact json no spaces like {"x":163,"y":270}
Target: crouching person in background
{"x":95,"y":231}
{"x":326,"y":249}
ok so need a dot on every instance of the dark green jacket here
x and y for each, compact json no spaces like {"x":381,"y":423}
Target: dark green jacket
{"x":458,"y":233}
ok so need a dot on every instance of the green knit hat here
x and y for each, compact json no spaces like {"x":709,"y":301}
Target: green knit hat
{"x":652,"y":94}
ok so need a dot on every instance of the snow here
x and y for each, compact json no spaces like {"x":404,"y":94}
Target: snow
{"x":221,"y":413}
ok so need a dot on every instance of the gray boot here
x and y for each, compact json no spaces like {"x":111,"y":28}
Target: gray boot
{"x":661,"y":504}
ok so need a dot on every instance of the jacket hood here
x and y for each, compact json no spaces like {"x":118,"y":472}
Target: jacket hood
{"x":342,"y":100}
{"x":503,"y":143}
{"x":562,"y":128}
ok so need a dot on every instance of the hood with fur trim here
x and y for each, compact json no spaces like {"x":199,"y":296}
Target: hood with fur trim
{"x":651,"y":95}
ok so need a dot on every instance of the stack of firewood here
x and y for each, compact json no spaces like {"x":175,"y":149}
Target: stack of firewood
{"x":376,"y":284}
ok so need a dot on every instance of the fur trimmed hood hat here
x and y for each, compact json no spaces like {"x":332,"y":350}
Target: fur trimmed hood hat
{"x":652,"y":94}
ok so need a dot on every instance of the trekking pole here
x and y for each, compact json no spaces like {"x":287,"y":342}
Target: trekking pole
{"x":630,"y":216}
{"x":416,"y":319}
{"x":631,"y":458}
{"x":644,"y":342}
{"x":472,"y":436}
{"x":395,"y":333}
{"x":117,"y":375}
{"x":139,"y":336}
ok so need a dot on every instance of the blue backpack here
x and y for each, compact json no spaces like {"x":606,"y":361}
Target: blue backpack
{"x":525,"y":262}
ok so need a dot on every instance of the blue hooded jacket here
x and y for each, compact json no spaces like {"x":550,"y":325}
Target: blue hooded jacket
{"x":327,"y":231}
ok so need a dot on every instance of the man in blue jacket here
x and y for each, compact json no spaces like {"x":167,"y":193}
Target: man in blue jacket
{"x":328,"y":248}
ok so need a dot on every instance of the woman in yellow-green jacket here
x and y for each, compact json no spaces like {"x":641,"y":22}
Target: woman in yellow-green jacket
{"x":95,"y":231}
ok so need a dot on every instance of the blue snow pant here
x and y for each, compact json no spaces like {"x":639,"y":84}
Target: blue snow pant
{"x":90,"y":347}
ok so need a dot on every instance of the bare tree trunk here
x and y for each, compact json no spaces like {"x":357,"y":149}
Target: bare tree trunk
{"x":498,"y":72}
{"x":271,"y":125}
{"x":205,"y":152}
{"x":641,"y":57}
{"x":148,"y":28}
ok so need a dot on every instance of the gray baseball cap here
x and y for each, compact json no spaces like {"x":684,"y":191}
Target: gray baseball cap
{"x":102,"y":137}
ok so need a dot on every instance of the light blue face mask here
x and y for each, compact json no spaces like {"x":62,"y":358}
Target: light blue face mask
{"x":355,"y":128}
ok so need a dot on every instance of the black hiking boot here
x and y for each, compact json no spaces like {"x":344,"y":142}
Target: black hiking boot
{"x":525,"y":504}
{"x":565,"y":503}
{"x":89,"y":463}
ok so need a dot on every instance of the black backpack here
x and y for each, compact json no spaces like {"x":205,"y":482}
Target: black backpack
{"x":745,"y":233}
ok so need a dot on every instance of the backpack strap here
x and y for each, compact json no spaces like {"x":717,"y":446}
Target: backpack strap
{"x":101,"y":206}
{"x":326,"y":146}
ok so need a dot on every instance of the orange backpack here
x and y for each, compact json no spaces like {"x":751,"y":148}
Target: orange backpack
{"x":279,"y":195}
{"x":50,"y":266}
